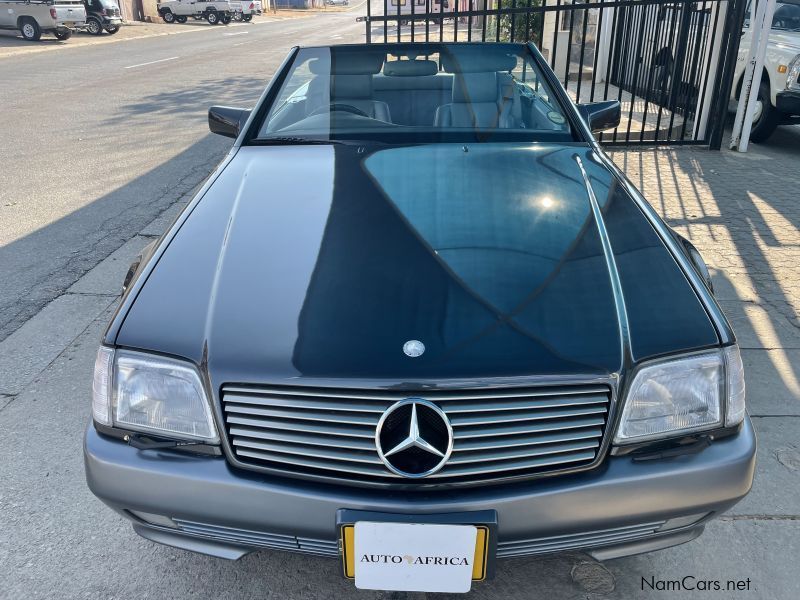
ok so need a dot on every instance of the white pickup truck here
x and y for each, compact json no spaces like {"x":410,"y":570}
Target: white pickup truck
{"x":213,"y":11}
{"x":35,"y":17}
{"x":244,"y":10}
{"x":779,"y":85}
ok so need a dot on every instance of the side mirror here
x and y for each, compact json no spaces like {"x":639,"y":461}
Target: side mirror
{"x":601,"y":116}
{"x":227,"y":121}
{"x":696,"y":259}
{"x":142,"y":257}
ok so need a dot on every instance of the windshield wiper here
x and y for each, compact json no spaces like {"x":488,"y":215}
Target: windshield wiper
{"x":300,"y":141}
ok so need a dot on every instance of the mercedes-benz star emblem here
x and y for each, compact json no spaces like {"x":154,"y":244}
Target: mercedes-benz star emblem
{"x":413,"y":348}
{"x":414,"y":438}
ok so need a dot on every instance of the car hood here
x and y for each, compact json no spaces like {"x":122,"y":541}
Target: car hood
{"x":786,"y":39}
{"x":321,"y":262}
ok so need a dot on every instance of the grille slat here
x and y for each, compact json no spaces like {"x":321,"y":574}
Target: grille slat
{"x":315,"y":463}
{"x":301,"y":414}
{"x":288,"y":401}
{"x":441,"y":395}
{"x":497,"y":433}
{"x":337,"y":430}
{"x":521,"y":452}
{"x":527,"y":415}
{"x":297,"y":437}
{"x":527,"y":403}
{"x":469,"y":444}
{"x":514,"y":465}
{"x":519,"y":428}
{"x":320,"y":452}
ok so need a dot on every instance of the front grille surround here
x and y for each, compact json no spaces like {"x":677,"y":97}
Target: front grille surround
{"x":501,"y":433}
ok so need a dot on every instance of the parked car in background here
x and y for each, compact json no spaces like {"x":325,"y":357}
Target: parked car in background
{"x":243,"y":11}
{"x":419,"y":321}
{"x":35,"y":17}
{"x":779,"y":82}
{"x":337,"y":2}
{"x":213,"y":11}
{"x":102,"y":15}
{"x":258,"y":9}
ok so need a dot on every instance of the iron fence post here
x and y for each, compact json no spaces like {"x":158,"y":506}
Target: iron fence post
{"x":733,"y":34}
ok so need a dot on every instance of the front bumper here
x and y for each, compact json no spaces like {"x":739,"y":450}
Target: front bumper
{"x":788,"y":102}
{"x":615,"y":510}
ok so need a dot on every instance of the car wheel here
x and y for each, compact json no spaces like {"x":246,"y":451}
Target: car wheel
{"x":226,"y":19}
{"x":63,"y":35}
{"x":238,"y":16}
{"x":112,"y":29}
{"x":212,"y":17}
{"x":181,"y":19}
{"x":30,"y":29}
{"x":93,"y":26}
{"x":247,"y":18}
{"x":168,"y":16}
{"x":765,"y":118}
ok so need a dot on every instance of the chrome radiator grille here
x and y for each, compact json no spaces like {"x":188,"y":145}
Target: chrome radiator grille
{"x":498,"y":433}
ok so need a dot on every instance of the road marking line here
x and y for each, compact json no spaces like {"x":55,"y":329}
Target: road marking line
{"x":152,"y":62}
{"x":237,"y":33}
{"x":243,"y":43}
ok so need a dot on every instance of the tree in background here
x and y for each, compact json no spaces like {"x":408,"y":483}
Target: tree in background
{"x":525,"y":27}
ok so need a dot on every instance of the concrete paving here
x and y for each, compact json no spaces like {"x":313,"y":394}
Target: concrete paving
{"x":58,"y":541}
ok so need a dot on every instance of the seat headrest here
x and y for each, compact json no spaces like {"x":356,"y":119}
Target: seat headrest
{"x":351,"y":86}
{"x":478,"y":60}
{"x":349,"y":63}
{"x":410,"y":68}
{"x":475,"y":88}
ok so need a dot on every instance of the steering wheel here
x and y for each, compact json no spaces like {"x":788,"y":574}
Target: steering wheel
{"x":334,"y":106}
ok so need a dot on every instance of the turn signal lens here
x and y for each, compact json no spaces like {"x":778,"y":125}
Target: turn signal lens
{"x":101,"y":386}
{"x":734,"y":369}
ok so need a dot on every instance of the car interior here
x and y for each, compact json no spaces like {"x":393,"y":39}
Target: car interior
{"x":470,"y":88}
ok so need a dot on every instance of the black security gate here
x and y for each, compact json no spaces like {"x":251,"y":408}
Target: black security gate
{"x":669,"y":63}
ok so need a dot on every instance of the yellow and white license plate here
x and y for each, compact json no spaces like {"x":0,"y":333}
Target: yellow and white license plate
{"x":411,"y":557}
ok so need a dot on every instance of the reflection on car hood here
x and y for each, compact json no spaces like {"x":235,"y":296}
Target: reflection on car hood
{"x":321,"y":262}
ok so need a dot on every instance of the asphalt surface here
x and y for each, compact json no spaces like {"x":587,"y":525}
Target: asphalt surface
{"x":97,"y":140}
{"x":101,"y":145}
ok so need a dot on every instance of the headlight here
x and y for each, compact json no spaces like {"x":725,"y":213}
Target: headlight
{"x":682,"y":395}
{"x":793,"y":74}
{"x":152,"y":394}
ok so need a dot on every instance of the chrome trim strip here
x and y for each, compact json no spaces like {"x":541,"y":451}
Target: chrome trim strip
{"x":707,"y":299}
{"x":613,"y":272}
{"x":574,"y":541}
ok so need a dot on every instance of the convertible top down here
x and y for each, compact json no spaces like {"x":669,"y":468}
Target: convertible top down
{"x":418,"y":292}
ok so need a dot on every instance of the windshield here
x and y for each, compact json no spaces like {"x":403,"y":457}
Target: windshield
{"x":411,"y":93}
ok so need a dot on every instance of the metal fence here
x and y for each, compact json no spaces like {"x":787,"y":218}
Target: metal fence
{"x":667,"y":62}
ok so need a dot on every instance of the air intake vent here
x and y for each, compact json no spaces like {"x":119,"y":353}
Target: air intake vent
{"x":498,"y":433}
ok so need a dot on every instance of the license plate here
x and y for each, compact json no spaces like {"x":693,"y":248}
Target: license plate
{"x":408,"y":557}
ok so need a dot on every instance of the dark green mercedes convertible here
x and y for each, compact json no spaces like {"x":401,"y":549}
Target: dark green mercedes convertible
{"x":417,"y":321}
